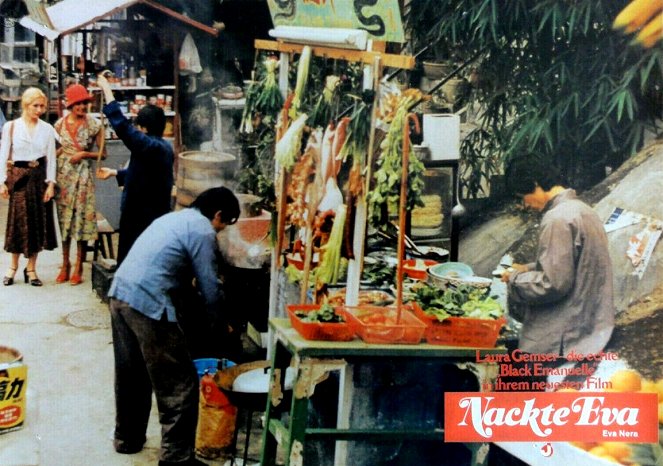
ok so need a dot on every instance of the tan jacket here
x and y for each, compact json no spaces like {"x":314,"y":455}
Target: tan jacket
{"x":568,"y":291}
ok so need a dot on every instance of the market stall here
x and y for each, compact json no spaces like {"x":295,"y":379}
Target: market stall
{"x":127,"y":37}
{"x":315,"y":360}
{"x":345,"y":189}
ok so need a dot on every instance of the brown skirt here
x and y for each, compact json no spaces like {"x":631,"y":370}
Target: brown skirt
{"x":30,"y":223}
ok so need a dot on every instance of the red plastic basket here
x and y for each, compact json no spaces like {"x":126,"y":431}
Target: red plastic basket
{"x":409,"y":268}
{"x":376,"y":324}
{"x":326,"y":331}
{"x":460,"y":331}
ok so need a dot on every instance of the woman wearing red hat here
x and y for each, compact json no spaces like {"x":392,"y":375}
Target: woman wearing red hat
{"x":76,"y":202}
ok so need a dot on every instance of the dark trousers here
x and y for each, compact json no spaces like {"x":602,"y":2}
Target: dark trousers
{"x":152,"y":355}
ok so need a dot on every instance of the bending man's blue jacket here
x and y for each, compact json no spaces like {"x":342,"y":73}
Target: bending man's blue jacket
{"x":172,"y":250}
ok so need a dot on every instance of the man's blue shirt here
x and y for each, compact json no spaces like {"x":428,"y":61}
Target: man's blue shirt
{"x":174,"y":248}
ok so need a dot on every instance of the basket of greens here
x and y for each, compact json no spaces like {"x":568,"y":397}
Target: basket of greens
{"x":320,"y":322}
{"x":461,"y":316}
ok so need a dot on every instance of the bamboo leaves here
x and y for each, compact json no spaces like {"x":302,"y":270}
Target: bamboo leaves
{"x":556,"y":80}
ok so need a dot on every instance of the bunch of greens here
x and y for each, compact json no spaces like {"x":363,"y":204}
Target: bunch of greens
{"x":263,"y":97}
{"x":387,"y":178}
{"x":322,"y":111}
{"x":324,"y":314}
{"x":246,"y":125}
{"x":270,"y":100}
{"x":461,"y":301}
{"x":356,"y":142}
{"x":330,"y":265}
{"x":379,"y":274}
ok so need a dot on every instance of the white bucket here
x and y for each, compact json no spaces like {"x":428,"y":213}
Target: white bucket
{"x":442,"y":135}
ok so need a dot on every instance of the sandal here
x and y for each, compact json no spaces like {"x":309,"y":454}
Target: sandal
{"x":7,"y":280}
{"x":28,"y":279}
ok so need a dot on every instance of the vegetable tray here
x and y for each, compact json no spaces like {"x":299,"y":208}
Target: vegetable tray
{"x":460,"y":331}
{"x":375,"y":324}
{"x":325,"y":331}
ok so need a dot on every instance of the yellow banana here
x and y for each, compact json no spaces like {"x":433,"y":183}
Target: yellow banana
{"x":652,"y":32}
{"x":635,"y":14}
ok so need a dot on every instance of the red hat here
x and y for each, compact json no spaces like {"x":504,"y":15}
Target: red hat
{"x":76,"y":93}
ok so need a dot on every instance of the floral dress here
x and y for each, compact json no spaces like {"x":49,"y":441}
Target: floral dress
{"x":76,"y":201}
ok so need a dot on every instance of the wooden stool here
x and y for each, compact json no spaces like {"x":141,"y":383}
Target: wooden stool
{"x":104,"y":241}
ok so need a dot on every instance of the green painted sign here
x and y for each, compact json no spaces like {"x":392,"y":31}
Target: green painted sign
{"x":381,"y":18}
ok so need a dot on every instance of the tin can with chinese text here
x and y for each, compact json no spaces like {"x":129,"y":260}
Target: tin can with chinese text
{"x":13,"y":388}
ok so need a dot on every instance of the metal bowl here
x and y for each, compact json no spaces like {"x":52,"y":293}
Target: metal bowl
{"x":441,"y":274}
{"x":477,"y":282}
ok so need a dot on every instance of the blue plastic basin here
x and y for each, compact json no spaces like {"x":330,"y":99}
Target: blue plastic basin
{"x":211,"y":365}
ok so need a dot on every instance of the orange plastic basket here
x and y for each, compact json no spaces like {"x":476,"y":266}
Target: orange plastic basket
{"x":376,"y":324}
{"x":460,"y":331}
{"x":326,"y":331}
{"x":409,"y":268}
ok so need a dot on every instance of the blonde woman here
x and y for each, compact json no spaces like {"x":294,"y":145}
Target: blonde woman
{"x":27,"y":179}
{"x":77,"y":215}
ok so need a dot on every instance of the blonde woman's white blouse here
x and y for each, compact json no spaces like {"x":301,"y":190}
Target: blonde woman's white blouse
{"x":27,"y":147}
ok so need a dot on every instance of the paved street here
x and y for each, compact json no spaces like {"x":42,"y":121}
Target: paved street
{"x":63,"y":332}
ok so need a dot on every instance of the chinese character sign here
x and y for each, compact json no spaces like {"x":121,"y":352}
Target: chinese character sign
{"x":13,"y":386}
{"x":380,"y":18}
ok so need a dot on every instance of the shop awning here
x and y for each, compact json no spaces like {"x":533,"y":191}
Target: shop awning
{"x":69,"y":16}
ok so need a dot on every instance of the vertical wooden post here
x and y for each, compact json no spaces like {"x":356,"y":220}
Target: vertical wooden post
{"x":372,"y":76}
{"x":279,"y":181}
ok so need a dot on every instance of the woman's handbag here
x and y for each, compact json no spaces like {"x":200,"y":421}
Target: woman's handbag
{"x":13,"y":182}
{"x":10,"y":162}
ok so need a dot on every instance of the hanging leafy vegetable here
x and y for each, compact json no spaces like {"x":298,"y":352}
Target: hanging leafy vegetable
{"x":263,"y":97}
{"x":329,"y":268}
{"x":358,"y":134}
{"x":302,"y":77}
{"x":270,"y":100}
{"x":289,"y":147}
{"x":246,"y":125}
{"x":387,"y":177}
{"x":322,"y":112}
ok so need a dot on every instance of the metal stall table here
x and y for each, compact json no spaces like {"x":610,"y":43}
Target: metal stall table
{"x":314,"y":360}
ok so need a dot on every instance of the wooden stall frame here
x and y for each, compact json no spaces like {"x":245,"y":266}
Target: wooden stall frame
{"x":374,"y":60}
